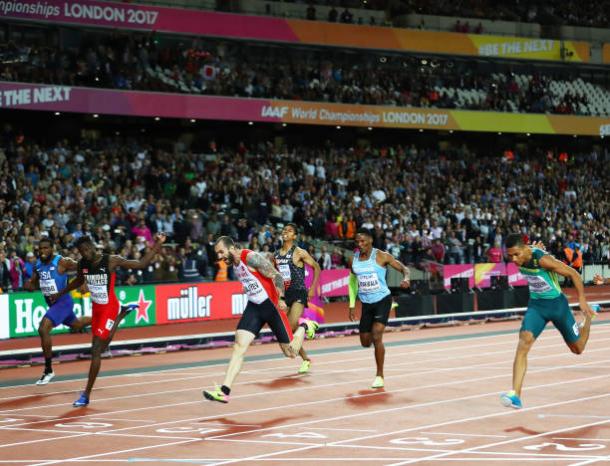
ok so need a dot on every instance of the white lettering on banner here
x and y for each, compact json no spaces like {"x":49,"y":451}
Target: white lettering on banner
{"x":238,"y":304}
{"x":40,"y":95}
{"x":334,"y":285}
{"x":110,"y":14}
{"x":36,"y":8}
{"x":346,"y":117}
{"x":300,"y":114}
{"x":189,"y":305}
{"x":27,"y":318}
{"x":416,"y":118}
{"x":517,"y":47}
{"x":275,"y":112}
{"x":604,"y":130}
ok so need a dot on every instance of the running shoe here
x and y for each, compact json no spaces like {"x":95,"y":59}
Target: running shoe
{"x":216,"y":395}
{"x":511,"y":400}
{"x":83,"y":400}
{"x":378,"y":382}
{"x":312,"y":328}
{"x":305,"y":366}
{"x":45,"y":378}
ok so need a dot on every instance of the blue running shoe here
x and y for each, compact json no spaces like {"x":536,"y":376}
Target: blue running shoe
{"x":83,"y":400}
{"x":129,"y":308}
{"x":511,"y":400}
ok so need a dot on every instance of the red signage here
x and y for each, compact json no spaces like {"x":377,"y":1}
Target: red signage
{"x":192,"y":302}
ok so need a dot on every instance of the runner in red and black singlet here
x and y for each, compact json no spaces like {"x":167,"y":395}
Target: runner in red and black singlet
{"x":98,"y":271}
{"x":290,"y":260}
{"x":264,"y":287}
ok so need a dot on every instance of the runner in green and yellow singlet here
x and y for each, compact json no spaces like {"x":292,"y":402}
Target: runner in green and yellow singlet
{"x":547,"y":304}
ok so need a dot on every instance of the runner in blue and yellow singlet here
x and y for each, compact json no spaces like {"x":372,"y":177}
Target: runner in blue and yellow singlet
{"x":547,"y":304}
{"x":368,"y":281}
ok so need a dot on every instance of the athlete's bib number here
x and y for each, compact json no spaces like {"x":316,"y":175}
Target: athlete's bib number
{"x":368,"y":283}
{"x":285,"y":271}
{"x":99,"y":293}
{"x":48,"y":287}
{"x":538,"y":284}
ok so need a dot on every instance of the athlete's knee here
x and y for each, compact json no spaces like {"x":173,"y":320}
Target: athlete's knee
{"x":577,"y":347}
{"x":240,"y":348}
{"x":366,"y":341}
{"x":43,"y":328}
{"x":526,"y":340}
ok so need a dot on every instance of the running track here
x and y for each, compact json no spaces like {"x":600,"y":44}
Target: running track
{"x":440,"y":406}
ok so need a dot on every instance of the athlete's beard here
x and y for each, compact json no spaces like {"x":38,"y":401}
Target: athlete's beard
{"x":230,"y":258}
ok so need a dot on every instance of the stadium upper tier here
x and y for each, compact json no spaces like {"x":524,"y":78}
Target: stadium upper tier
{"x":130,"y":60}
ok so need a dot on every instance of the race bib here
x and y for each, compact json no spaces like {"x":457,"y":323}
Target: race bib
{"x":99,"y":293}
{"x":538,"y":284}
{"x":48,"y":287}
{"x":285,"y":271}
{"x":368,"y":283}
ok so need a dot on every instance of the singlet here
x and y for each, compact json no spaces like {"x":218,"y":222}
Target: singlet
{"x":543,"y":284}
{"x":51,"y":281}
{"x":258,"y":288}
{"x":372,"y":286}
{"x":294,"y":276}
{"x":100,"y":281}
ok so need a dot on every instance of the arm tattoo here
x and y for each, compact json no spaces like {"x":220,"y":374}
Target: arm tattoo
{"x":261,"y":264}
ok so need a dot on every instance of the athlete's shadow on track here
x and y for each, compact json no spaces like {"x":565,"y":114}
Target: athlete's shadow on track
{"x":233,"y":427}
{"x":24,"y":401}
{"x":285,"y":382}
{"x":369,"y":397}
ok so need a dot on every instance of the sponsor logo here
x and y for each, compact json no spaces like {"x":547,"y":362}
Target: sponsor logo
{"x":189,"y":305}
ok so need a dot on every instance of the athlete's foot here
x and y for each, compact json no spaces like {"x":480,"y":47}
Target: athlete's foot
{"x":83,"y":400}
{"x":311,"y":327}
{"x":216,"y":395}
{"x":125,"y":310}
{"x":45,"y":378}
{"x":305,"y":366}
{"x":378,"y":382}
{"x":511,"y":400}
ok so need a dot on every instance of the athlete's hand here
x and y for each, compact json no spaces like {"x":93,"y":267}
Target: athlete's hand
{"x":352,"y":316}
{"x":586,"y":309}
{"x":539,"y":245}
{"x":406,"y":283}
{"x":598,"y":279}
{"x":282,"y":305}
{"x":311,"y":293}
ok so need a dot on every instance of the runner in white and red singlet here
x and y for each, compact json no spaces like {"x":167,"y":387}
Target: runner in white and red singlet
{"x":264,"y":286}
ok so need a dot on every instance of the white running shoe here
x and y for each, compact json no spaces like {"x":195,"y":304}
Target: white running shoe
{"x":378,"y":382}
{"x":45,"y":378}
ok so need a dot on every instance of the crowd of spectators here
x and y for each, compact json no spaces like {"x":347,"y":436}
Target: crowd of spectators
{"x":230,"y":68}
{"x":585,"y":13}
{"x":450,"y":205}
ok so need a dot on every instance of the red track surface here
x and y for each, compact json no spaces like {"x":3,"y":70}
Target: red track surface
{"x":440,"y":406}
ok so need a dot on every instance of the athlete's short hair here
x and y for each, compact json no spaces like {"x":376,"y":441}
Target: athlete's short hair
{"x":365,"y":232}
{"x":225,"y":240}
{"x":83,"y":240}
{"x":45,"y":240}
{"x":293,"y":226}
{"x":514,"y":240}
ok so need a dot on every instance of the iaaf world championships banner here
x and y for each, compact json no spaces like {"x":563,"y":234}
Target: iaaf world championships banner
{"x":169,"y":105}
{"x":209,"y":23}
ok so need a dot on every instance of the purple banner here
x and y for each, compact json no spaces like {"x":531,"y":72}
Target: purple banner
{"x":137,"y":103}
{"x":458,"y":271}
{"x":149,"y":18}
{"x":514,"y":276}
{"x":334,"y":282}
{"x":484,"y":272}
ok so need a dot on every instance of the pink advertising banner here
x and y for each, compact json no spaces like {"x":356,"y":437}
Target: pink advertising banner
{"x":149,"y":18}
{"x":458,"y":271}
{"x":334,"y":282}
{"x":484,"y":272}
{"x":514,"y":276}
